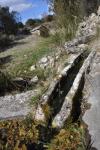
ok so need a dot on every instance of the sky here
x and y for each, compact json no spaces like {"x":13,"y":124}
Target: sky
{"x":27,"y":8}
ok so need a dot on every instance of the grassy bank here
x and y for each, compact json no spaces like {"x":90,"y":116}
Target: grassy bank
{"x":23,"y":58}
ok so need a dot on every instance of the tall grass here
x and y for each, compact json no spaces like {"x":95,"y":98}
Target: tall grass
{"x":67,"y":17}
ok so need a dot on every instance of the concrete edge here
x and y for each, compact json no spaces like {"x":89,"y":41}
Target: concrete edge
{"x":66,"y":109}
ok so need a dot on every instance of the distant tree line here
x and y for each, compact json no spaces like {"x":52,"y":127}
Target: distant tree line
{"x":9,"y":25}
{"x":36,"y":22}
{"x":9,"y":21}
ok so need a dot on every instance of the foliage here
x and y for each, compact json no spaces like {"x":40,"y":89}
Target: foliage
{"x":5,"y":40}
{"x":33,"y":22}
{"x":8,"y":20}
{"x":67,"y":17}
{"x":47,"y":111}
{"x":68,"y":139}
{"x":18,"y":134}
{"x":47,"y":18}
{"x":43,"y":47}
{"x":20,"y":25}
{"x":35,"y":99}
{"x":24,"y":134}
{"x":5,"y":82}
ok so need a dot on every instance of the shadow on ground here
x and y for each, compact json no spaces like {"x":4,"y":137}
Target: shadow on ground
{"x":4,"y":60}
{"x":15,"y":42}
{"x":11,"y":46}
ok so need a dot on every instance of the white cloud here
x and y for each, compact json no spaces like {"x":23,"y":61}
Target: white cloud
{"x":17,"y":5}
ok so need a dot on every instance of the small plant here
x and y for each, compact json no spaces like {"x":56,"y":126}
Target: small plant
{"x":67,"y":139}
{"x":40,"y":73}
{"x":35,"y":99}
{"x":19,"y":134}
{"x":57,"y":38}
{"x":47,"y":111}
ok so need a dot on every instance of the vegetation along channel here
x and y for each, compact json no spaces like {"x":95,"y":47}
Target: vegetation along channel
{"x":49,"y":70}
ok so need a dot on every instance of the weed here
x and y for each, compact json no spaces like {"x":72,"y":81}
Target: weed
{"x":35,"y":99}
{"x":67,"y":139}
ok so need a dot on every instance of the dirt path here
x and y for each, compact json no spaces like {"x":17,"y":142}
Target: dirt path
{"x":28,"y":42}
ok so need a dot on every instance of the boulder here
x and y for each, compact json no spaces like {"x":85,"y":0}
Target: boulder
{"x":44,"y":31}
{"x":44,"y":62}
{"x":34,"y":80}
{"x":77,"y":45}
{"x":98,"y":12}
{"x":32,"y":68}
{"x":20,"y":82}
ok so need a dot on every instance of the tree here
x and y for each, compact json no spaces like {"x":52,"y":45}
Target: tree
{"x":33,"y":22}
{"x":20,"y":25}
{"x":30,"y":22}
{"x":47,"y":18}
{"x":8,"y":20}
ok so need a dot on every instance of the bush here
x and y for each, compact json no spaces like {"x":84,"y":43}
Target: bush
{"x":68,"y":139}
{"x":48,"y":18}
{"x":5,"y":40}
{"x":32,"y":23}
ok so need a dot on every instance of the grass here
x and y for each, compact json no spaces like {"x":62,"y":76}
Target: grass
{"x":35,"y":99}
{"x":24,"y":59}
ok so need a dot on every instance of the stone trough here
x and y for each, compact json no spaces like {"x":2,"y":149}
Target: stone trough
{"x":51,"y":103}
{"x":68,"y":107}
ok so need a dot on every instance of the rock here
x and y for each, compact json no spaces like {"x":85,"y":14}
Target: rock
{"x":98,"y":12}
{"x":51,"y":61}
{"x":83,"y":46}
{"x":16,"y":105}
{"x":51,"y":96}
{"x":18,"y":79}
{"x":39,"y":114}
{"x":32,"y":68}
{"x":76,"y":42}
{"x":20,"y":82}
{"x":88,"y":27}
{"x":44,"y":60}
{"x":57,"y":57}
{"x":83,"y":24}
{"x":66,"y":110}
{"x":72,"y":46}
{"x":91,"y":117}
{"x":43,"y":66}
{"x":44,"y":31}
{"x":34,"y":80}
{"x":92,"y":16}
